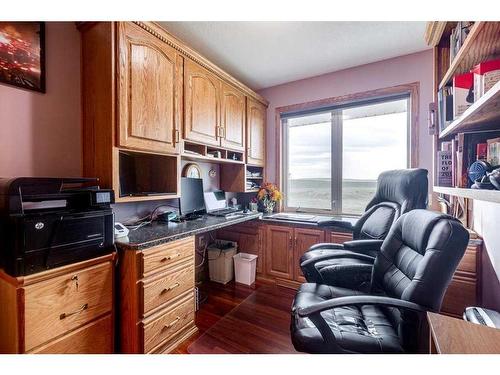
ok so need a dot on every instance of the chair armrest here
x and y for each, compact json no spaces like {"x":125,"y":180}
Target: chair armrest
{"x":326,"y":246}
{"x":363,"y":245}
{"x":360,"y":300}
{"x":338,"y":254}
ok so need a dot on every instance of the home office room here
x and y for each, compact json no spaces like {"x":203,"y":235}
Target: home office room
{"x":176,"y":184}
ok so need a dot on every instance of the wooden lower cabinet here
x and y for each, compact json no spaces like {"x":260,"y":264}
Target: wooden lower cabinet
{"x":279,"y":251}
{"x":157,"y":303}
{"x":279,"y":247}
{"x":465,"y":287}
{"x":64,"y":310}
{"x":284,"y":247}
{"x":303,"y":240}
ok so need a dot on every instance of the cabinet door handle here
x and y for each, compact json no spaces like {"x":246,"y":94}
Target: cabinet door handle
{"x":177,"y":137}
{"x":291,"y":241}
{"x":295,"y":241}
{"x":169,"y":257}
{"x":223,"y":132}
{"x":248,"y":151}
{"x":171,"y":324}
{"x":170,"y":288}
{"x":65,"y":315}
{"x":217,"y":132}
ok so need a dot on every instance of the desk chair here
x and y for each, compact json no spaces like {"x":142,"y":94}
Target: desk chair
{"x":410,"y":276}
{"x":349,"y":264}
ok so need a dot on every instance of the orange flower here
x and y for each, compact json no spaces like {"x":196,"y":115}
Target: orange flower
{"x":269,"y":191}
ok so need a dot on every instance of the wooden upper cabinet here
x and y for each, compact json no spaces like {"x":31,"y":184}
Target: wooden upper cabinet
{"x":232,"y":118}
{"x":202,"y":101}
{"x":256,"y":128}
{"x":150,"y":90}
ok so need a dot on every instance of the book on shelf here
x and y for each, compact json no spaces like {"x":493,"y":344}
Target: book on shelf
{"x":458,"y":36}
{"x":463,"y":93}
{"x":445,"y":107}
{"x":493,"y":151}
{"x":486,"y":75}
{"x":445,"y":165}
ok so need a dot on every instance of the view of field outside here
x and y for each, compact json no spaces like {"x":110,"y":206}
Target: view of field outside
{"x":370,"y":145}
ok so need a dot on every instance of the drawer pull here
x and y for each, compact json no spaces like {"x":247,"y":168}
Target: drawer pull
{"x":170,"y":257}
{"x":170,"y":288}
{"x":173,"y":323}
{"x":65,"y":315}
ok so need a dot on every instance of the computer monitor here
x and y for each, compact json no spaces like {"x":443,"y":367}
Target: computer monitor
{"x":191,"y":201}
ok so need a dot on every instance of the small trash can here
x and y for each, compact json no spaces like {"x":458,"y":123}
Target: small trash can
{"x":220,"y":261}
{"x":244,"y":268}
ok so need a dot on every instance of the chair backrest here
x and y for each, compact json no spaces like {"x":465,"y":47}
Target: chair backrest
{"x":398,"y":191}
{"x":419,"y":257}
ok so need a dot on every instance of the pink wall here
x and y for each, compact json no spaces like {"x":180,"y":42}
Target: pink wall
{"x":400,"y":70}
{"x":40,"y":134}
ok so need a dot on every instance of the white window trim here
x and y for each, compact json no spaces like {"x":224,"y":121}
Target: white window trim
{"x":336,"y":162}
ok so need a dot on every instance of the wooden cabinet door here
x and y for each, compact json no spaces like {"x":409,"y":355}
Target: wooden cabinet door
{"x":232,"y":118}
{"x":340,"y":237}
{"x":279,"y":251}
{"x":150,"y":89}
{"x":303,"y":240}
{"x":256,"y":128}
{"x":202,"y":104}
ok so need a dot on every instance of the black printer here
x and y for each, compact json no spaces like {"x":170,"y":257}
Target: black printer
{"x":49,"y":222}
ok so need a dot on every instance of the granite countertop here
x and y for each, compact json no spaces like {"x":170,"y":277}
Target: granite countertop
{"x":160,"y":233}
{"x":340,"y":223}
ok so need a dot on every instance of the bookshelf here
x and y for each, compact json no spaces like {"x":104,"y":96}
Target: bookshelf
{"x":481,"y":44}
{"x":477,"y":194}
{"x":482,"y":115}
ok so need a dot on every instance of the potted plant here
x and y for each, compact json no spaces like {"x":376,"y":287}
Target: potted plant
{"x":269,"y":194}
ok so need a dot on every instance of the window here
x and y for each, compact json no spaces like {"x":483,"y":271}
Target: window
{"x":332,"y":158}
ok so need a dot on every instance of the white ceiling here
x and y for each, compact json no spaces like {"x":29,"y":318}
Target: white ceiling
{"x":265,"y":54}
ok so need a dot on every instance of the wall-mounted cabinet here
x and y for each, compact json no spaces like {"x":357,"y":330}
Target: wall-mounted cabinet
{"x":232,"y":118}
{"x":202,"y":115}
{"x":256,"y":133}
{"x":149,"y":91}
{"x":144,"y":91}
{"x":215,"y":110}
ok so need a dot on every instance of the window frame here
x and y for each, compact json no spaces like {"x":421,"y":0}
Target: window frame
{"x":337,"y":104}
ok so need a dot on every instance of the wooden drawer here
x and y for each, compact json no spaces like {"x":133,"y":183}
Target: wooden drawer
{"x":93,"y":338}
{"x":460,"y":294}
{"x":56,"y":306}
{"x":170,"y":323}
{"x":160,"y":257}
{"x":162,"y":289}
{"x":468,"y":263}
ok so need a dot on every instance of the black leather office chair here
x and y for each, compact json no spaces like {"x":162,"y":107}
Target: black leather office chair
{"x":349,"y":264}
{"x":410,"y":276}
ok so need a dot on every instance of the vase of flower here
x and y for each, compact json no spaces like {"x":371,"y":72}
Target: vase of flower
{"x":253,"y":205}
{"x":269,"y":195}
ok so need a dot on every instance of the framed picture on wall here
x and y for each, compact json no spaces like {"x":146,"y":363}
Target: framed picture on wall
{"x":22,"y":55}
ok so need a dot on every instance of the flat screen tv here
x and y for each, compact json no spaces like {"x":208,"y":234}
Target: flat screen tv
{"x":146,"y":174}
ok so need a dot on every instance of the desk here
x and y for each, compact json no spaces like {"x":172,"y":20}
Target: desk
{"x":456,"y":336}
{"x":157,"y":272}
{"x":159,"y":233}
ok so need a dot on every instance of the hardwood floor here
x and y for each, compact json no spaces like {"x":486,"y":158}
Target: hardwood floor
{"x":240,"y":319}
